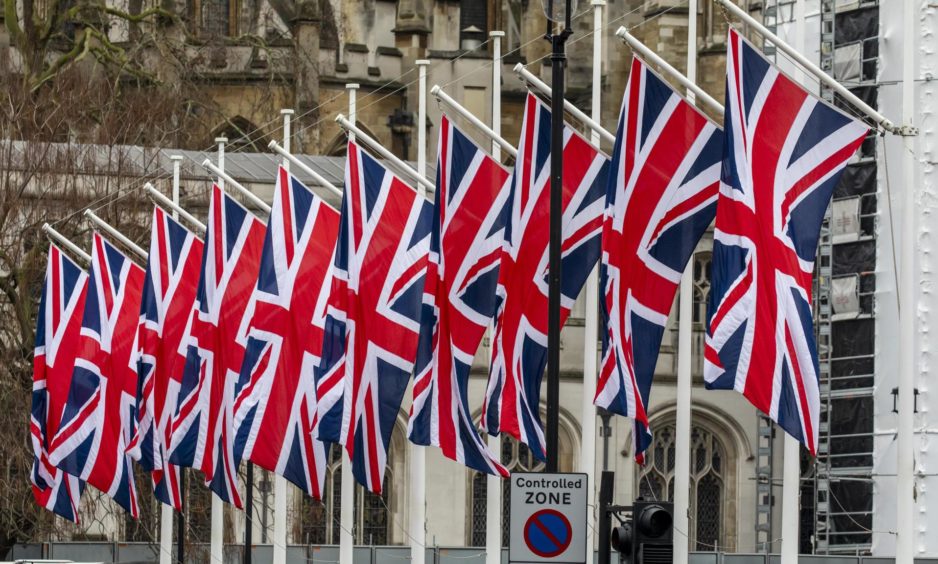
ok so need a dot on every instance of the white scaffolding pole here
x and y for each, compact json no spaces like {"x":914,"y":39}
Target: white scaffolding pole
{"x":346,"y":541}
{"x":682,"y":418}
{"x":591,"y":323}
{"x":418,"y":453}
{"x":217,"y":546}
{"x":493,"y":484}
{"x":905,"y":450}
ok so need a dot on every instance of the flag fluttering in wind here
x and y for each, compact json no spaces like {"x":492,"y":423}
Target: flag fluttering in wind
{"x":373,"y":317}
{"x":202,"y":430}
{"x":99,"y":414}
{"x":276,"y":403}
{"x":459,"y":297}
{"x":661,"y":197}
{"x":58,"y":327}
{"x":519,"y":352}
{"x":785,"y":150}
{"x":168,"y":296}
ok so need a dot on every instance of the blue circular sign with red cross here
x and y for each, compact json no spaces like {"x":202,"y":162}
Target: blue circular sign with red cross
{"x":548,"y":533}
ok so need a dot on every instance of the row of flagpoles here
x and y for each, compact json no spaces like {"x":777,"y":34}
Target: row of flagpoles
{"x":627,"y":399}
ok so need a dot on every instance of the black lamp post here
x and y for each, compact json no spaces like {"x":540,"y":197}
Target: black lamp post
{"x":558,"y":13}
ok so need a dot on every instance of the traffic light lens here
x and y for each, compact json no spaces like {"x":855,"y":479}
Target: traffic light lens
{"x":655,"y":521}
{"x":621,"y":539}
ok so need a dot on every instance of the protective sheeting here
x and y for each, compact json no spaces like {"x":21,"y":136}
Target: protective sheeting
{"x":858,"y":179}
{"x":845,"y":222}
{"x":856,"y":25}
{"x":852,"y":338}
{"x":925,"y":306}
{"x":850,"y":258}
{"x":861,"y":29}
{"x":845,"y":297}
{"x":848,"y":61}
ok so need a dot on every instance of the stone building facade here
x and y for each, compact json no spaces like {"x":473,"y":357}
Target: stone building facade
{"x":258,"y":56}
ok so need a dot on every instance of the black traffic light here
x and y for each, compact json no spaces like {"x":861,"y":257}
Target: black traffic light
{"x":621,"y":540}
{"x":644,"y":533}
{"x":652,"y":532}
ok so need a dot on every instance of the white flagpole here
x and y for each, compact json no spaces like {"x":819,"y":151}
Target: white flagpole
{"x":224,"y":177}
{"x":112,"y":232}
{"x":533,"y":81}
{"x":167,"y":204}
{"x":493,"y":484}
{"x":346,"y":541}
{"x":60,"y":239}
{"x":791,"y":459}
{"x":418,"y":453}
{"x":280,"y":483}
{"x":320,"y":179}
{"x":699,"y":95}
{"x":452,"y":104}
{"x":822,"y":76}
{"x":382,"y":151}
{"x":591,"y":323}
{"x":166,"y":511}
{"x":218,"y":506}
{"x":905,"y":420}
{"x":682,"y":418}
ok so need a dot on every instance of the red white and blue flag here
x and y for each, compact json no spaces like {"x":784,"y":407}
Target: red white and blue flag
{"x":276,"y":403}
{"x":58,"y":327}
{"x":99,"y":413}
{"x":202,"y":429}
{"x":519,"y":352}
{"x":459,"y":297}
{"x":661,"y":197}
{"x":168,"y":297}
{"x":373,"y":317}
{"x":784,"y":152}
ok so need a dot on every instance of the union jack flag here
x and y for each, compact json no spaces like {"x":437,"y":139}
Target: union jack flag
{"x":168,"y":297}
{"x":784,"y":152}
{"x":276,"y":403}
{"x":373,"y":317}
{"x":459,"y":297}
{"x":660,"y":199}
{"x":202,"y":429}
{"x":58,"y":327}
{"x":519,"y":352}
{"x":99,"y":413}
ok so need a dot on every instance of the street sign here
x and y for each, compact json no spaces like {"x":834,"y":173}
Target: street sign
{"x":548,"y":518}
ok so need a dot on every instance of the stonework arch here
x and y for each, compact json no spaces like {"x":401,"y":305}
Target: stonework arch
{"x":517,"y":458}
{"x":718,"y":446}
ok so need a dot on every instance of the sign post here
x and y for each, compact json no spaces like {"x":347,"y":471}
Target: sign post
{"x":548,"y":518}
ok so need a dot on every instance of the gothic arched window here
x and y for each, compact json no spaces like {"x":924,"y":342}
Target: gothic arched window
{"x":516,"y":457}
{"x":319,"y":522}
{"x":709,"y":479}
{"x":702,"y":262}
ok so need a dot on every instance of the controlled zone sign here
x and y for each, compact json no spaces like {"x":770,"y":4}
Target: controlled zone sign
{"x":548,"y":518}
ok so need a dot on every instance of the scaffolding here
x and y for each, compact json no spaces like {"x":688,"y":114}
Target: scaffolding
{"x":844,"y":293}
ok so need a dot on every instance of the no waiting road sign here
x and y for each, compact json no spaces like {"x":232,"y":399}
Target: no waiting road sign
{"x":548,"y":518}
